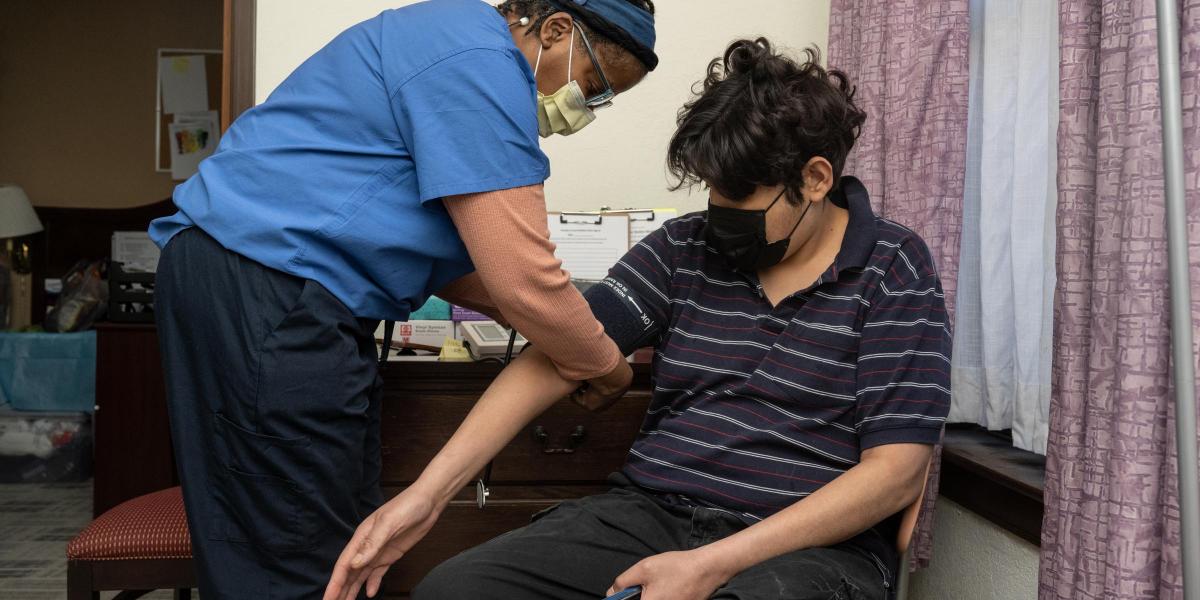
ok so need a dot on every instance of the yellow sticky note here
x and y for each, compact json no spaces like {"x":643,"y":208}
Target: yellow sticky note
{"x":454,"y":351}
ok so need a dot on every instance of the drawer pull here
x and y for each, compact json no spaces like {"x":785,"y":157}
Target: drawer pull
{"x":573,"y":443}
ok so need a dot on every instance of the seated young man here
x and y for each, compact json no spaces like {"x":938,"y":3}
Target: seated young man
{"x":801,"y":378}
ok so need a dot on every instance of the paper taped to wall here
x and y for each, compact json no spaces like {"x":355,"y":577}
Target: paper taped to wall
{"x":184,"y":83}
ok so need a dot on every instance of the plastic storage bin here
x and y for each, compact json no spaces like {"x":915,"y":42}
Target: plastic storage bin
{"x":45,"y":447}
{"x":48,"y":371}
{"x":435,"y":309}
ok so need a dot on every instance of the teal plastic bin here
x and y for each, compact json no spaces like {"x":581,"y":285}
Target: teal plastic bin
{"x":48,"y":371}
{"x":435,"y":309}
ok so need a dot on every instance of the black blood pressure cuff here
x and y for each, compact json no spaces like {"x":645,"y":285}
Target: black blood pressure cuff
{"x":623,"y":314}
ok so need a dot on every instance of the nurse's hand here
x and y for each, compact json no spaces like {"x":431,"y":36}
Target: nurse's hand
{"x":601,"y":392}
{"x":381,"y":540}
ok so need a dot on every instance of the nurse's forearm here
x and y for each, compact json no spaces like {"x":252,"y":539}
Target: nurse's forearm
{"x":509,"y":242}
{"x":520,"y":393}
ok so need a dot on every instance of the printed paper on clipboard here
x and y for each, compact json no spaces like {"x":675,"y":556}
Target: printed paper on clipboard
{"x":589,"y":244}
{"x":643,"y":222}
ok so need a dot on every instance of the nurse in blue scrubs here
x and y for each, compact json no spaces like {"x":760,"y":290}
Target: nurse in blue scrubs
{"x":399,"y":161}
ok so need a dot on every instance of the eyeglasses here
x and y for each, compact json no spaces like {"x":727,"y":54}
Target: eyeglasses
{"x":605,"y":97}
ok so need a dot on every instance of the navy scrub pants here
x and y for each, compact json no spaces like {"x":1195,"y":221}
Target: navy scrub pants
{"x":274,"y":396}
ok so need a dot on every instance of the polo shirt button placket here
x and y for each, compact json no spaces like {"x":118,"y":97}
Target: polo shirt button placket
{"x":768,"y":327}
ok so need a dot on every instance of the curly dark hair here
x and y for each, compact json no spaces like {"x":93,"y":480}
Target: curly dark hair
{"x":759,"y":117}
{"x":606,"y":38}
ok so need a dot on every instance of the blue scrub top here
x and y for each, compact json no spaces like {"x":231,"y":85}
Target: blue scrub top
{"x":338,"y":176}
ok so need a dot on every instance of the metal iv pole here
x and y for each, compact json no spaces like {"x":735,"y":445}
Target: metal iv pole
{"x":1180,"y":286}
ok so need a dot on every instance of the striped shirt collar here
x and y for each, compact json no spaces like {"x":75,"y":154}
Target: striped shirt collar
{"x":861,"y":232}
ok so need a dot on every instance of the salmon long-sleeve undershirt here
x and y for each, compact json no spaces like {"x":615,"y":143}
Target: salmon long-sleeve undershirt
{"x":517,"y":278}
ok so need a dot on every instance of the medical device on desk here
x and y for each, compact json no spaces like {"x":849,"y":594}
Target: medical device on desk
{"x":487,"y":339}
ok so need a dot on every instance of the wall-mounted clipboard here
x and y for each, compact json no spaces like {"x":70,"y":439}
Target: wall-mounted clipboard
{"x":163,"y":120}
{"x":644,"y":221}
{"x":589,"y":243}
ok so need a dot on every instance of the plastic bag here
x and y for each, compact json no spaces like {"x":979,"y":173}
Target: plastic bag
{"x":84,"y":298}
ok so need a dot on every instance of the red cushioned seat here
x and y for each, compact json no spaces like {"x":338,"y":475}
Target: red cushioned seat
{"x":147,"y":527}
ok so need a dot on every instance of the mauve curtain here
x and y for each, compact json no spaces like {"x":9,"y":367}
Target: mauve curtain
{"x":1111,"y":527}
{"x":909,"y":59}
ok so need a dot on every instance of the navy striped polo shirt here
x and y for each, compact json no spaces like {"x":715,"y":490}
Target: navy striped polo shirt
{"x":757,"y":406}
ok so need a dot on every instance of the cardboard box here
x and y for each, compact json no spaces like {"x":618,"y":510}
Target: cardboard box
{"x":465,"y":314}
{"x":425,"y":333}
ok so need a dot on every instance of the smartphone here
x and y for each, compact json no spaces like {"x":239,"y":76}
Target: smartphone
{"x":626,"y":594}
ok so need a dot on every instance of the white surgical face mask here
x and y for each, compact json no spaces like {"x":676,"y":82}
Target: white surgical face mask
{"x":564,"y":112}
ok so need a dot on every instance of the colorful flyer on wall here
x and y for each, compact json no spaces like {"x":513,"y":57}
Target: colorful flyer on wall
{"x":191,"y":142}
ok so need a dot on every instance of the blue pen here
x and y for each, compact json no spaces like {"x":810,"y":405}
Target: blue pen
{"x":626,"y":594}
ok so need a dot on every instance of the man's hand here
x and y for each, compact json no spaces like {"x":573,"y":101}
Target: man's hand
{"x":692,"y":575}
{"x":601,"y":392}
{"x":381,"y":540}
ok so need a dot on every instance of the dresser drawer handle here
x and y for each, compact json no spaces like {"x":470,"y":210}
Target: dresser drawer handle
{"x":573,"y":443}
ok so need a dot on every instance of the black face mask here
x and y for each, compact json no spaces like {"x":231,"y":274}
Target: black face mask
{"x":740,"y":236}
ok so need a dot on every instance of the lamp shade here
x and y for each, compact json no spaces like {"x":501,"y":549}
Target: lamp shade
{"x":16,"y":213}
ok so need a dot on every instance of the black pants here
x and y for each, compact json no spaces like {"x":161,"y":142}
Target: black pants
{"x":575,"y":551}
{"x":273,"y":395}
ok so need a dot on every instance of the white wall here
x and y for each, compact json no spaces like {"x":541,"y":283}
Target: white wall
{"x":974,"y":558}
{"x":618,"y":161}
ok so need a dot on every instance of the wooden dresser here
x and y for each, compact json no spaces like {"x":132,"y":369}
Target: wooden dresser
{"x":566,"y":453}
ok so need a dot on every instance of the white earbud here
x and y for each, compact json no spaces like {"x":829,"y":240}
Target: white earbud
{"x":523,"y":21}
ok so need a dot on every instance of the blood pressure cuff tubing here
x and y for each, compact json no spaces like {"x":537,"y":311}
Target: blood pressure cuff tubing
{"x":623,"y":314}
